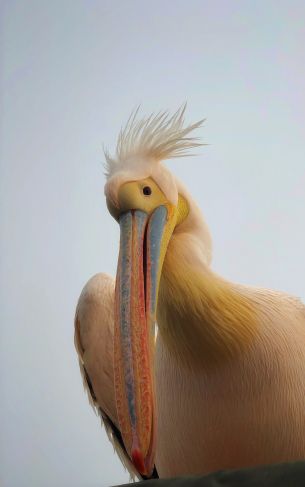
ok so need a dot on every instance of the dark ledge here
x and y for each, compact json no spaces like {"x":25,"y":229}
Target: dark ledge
{"x":282,"y":475}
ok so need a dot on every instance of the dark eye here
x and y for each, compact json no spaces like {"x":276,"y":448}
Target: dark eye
{"x":146,"y":190}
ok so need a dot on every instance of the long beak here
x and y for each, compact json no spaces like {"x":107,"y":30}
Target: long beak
{"x":138,"y":275}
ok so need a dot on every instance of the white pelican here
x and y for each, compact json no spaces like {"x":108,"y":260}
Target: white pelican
{"x":223,"y":384}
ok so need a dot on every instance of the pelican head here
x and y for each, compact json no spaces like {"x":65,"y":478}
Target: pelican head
{"x":144,"y":197}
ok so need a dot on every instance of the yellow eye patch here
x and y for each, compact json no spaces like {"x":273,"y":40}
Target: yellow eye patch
{"x":132,"y":196}
{"x":146,"y":195}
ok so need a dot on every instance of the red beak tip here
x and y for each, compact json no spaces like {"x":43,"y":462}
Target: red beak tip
{"x":138,"y":460}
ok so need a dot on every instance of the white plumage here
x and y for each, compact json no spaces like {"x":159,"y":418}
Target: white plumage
{"x":229,"y":367}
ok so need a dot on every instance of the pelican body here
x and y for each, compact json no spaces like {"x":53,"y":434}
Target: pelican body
{"x":222,"y":383}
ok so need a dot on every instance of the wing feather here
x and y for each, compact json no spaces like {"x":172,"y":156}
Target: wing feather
{"x":93,"y":343}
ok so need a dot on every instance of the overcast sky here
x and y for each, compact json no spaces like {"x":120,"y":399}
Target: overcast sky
{"x":71,"y":71}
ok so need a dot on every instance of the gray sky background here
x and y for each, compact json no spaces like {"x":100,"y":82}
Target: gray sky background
{"x":71,"y":71}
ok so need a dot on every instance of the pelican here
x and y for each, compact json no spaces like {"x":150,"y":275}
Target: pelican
{"x":221,"y":384}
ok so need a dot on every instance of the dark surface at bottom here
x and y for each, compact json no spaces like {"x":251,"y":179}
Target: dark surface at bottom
{"x":282,"y":475}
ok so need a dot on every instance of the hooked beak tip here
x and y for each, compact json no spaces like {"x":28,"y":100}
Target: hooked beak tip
{"x":138,"y":460}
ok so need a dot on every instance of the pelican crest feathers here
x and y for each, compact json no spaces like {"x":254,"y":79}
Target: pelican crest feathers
{"x":158,"y":137}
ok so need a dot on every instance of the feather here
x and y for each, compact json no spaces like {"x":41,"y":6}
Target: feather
{"x":158,"y":137}
{"x":112,"y":431}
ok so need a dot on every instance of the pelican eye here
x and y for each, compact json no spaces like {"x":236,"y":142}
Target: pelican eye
{"x":147,"y":190}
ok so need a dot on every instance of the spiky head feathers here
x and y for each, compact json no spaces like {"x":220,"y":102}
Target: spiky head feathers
{"x":141,"y":147}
